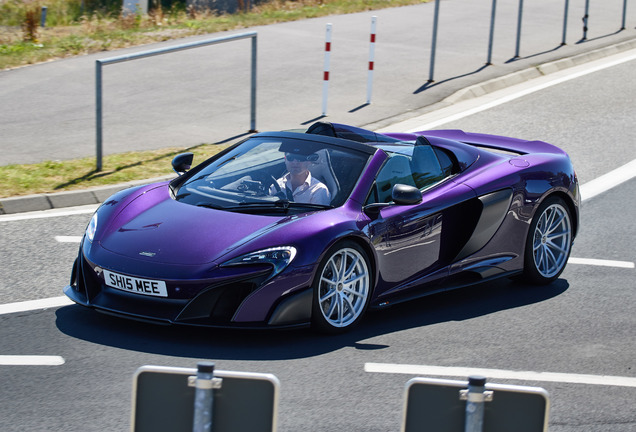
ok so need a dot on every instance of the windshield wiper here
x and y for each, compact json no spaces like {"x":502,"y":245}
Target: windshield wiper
{"x":281,"y":204}
{"x":284,"y":204}
{"x":212,"y":206}
{"x":309,"y":205}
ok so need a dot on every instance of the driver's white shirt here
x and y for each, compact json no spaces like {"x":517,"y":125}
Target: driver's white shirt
{"x":311,"y":192}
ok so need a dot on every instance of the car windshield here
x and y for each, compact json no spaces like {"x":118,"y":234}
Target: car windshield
{"x":270,"y":175}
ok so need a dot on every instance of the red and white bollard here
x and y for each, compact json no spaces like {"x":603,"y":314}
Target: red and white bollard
{"x":374,"y":20}
{"x":325,"y":80}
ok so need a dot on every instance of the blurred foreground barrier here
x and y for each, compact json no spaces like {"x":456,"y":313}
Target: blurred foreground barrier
{"x":203,"y":400}
{"x":473,"y":406}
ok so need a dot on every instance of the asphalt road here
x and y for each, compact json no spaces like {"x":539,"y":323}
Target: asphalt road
{"x":582,"y":324}
{"x":187,"y":98}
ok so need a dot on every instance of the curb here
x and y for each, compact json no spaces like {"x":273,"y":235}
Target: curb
{"x":538,"y":71}
{"x":49,"y":201}
{"x":505,"y":81}
{"x":97,"y":195}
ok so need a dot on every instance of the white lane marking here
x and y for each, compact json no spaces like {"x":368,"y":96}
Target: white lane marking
{"x":602,"y":263}
{"x":54,"y":302}
{"x":49,"y":213}
{"x":30,"y":360}
{"x":35,"y":305}
{"x":607,"y":181}
{"x":476,"y":105}
{"x":68,"y":239}
{"x":465,"y":372}
{"x":65,"y":301}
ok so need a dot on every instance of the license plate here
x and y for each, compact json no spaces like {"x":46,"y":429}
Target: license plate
{"x":147,"y":287}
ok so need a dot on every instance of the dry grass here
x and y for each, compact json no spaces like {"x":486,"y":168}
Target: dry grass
{"x":25,"y":43}
{"x":58,"y":176}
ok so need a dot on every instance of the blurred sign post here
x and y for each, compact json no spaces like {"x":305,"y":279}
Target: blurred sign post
{"x":474,"y":406}
{"x":203,"y":399}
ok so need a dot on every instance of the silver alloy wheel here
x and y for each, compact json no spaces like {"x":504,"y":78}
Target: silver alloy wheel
{"x":552,"y":240}
{"x":343,"y":287}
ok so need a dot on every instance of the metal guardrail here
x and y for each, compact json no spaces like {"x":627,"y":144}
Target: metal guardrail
{"x":120,"y":59}
{"x":517,"y":54}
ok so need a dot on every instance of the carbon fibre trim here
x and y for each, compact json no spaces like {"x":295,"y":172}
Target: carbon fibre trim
{"x":295,"y":309}
{"x":495,"y":207}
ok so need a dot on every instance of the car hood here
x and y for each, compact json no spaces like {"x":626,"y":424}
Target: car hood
{"x":154,"y":227}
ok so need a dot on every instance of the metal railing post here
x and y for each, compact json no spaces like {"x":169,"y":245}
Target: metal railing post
{"x":160,"y":51}
{"x":624,"y":15}
{"x":98,"y":115}
{"x":565,"y":22}
{"x":492,"y":32}
{"x":519,"y":21}
{"x":253,"y":87}
{"x":585,"y":19}
{"x":434,"y":42}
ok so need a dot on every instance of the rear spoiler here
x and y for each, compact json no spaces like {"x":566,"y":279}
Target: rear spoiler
{"x":494,"y":141}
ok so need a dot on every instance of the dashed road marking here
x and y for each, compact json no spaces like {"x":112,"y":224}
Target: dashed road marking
{"x":602,"y":263}
{"x":31,"y":360}
{"x":43,"y":214}
{"x":68,"y":239}
{"x":608,"y":181}
{"x":30,"y":305}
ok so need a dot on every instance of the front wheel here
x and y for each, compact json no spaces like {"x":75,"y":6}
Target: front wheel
{"x":549,"y":242}
{"x":342,"y":288}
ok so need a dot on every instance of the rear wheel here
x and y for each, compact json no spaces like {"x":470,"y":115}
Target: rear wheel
{"x":549,"y":242}
{"x":342,"y":288}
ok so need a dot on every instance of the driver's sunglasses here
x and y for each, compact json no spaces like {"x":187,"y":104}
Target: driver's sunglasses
{"x":295,"y":157}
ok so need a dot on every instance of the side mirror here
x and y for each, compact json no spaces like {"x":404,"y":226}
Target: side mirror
{"x":401,"y":195}
{"x":182,"y":162}
{"x":406,"y":195}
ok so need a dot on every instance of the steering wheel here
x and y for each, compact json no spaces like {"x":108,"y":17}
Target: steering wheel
{"x":279,"y":192}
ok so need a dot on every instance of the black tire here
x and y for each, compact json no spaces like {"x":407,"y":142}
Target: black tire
{"x":549,"y":242}
{"x":341,"y":288}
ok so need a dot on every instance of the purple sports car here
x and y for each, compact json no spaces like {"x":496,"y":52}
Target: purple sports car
{"x":290,"y":229}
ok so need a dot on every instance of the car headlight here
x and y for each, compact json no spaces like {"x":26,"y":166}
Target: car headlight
{"x":91,"y":228}
{"x":278,"y":257}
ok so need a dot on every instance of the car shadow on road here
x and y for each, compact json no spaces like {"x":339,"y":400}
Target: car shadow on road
{"x":215,"y":344}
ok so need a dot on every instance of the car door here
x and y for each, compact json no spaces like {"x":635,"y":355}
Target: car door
{"x":409,"y":240}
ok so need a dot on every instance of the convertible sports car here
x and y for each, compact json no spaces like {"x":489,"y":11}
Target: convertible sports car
{"x":237,"y":241}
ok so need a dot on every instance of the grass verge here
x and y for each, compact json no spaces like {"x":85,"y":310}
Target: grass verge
{"x":58,"y":176}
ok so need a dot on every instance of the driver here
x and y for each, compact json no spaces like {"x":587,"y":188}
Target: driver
{"x":298,"y":184}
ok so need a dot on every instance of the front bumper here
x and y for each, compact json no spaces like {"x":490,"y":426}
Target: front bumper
{"x":244,"y":300}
